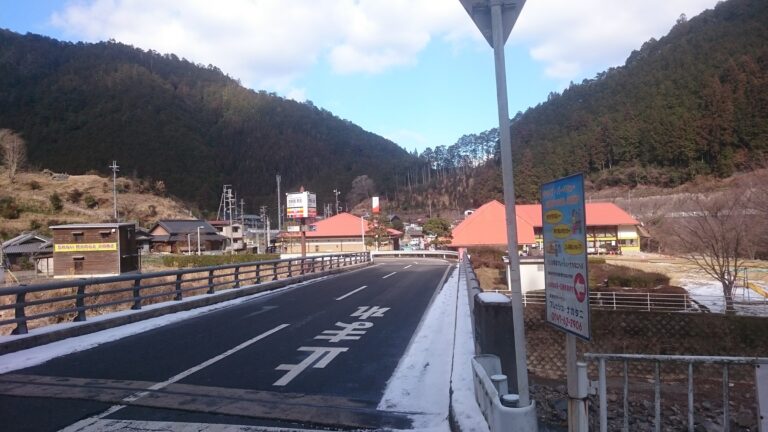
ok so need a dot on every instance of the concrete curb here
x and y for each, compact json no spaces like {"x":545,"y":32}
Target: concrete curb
{"x":49,"y":334}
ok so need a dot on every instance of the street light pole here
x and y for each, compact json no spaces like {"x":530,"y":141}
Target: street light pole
{"x":189,"y":244}
{"x":362,"y":231}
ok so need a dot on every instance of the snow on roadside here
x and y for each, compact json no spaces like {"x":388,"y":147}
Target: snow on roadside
{"x":420,"y":385}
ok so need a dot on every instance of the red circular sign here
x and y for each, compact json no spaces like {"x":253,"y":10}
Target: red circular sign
{"x":580,"y":287}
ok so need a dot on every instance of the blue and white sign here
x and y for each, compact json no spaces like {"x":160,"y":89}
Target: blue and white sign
{"x":565,"y":255}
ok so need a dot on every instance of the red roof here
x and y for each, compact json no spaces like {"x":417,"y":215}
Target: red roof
{"x":487,"y":226}
{"x":342,"y":225}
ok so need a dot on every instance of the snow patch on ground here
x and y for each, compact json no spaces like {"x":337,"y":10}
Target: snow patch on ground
{"x":710,"y":294}
{"x":493,"y":297}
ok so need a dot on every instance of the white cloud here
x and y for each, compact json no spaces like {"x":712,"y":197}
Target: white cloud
{"x":574,"y":38}
{"x":268,"y":44}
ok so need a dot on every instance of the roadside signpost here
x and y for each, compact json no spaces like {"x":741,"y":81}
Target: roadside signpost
{"x":495,"y":20}
{"x":301,"y":206}
{"x":565,"y":255}
{"x":566,"y":283}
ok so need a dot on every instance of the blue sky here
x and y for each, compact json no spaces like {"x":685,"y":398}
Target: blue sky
{"x":414,"y":71}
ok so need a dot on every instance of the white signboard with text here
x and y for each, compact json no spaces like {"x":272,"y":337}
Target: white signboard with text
{"x":301,"y":205}
{"x":565,"y":255}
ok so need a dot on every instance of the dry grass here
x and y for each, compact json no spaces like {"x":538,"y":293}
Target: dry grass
{"x":31,"y":192}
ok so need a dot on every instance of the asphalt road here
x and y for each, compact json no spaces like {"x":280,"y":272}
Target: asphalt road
{"x":318,"y":354}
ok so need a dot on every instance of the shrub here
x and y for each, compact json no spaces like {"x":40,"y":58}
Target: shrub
{"x":56,"y":203}
{"x":34,"y":185}
{"x":90,"y":201}
{"x":8,"y":208}
{"x":179,"y":261}
{"x":74,"y":196}
{"x":35,"y":225}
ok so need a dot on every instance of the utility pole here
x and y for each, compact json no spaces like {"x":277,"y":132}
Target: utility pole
{"x":114,"y":187}
{"x":263,"y":212}
{"x":336,"y":193}
{"x":279,"y":207}
{"x":242,"y":212}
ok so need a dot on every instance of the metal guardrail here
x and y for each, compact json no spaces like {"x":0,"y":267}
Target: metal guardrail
{"x":416,"y":254}
{"x":642,"y":301}
{"x":657,"y":360}
{"x":79,"y":296}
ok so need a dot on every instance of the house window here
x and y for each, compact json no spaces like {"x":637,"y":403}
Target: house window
{"x":77,"y":237}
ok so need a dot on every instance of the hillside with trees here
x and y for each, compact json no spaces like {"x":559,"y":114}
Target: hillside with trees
{"x":78,"y":106}
{"x":693,"y":103}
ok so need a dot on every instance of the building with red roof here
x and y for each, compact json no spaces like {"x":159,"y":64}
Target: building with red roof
{"x":341,"y":233}
{"x":609,"y":228}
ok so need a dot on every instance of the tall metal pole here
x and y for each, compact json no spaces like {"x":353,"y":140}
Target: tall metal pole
{"x":279,"y":207}
{"x":114,"y":187}
{"x":509,"y":204}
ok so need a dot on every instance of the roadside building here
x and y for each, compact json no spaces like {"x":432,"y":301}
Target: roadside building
{"x":183,"y":236}
{"x":341,"y":233}
{"x":609,"y":229}
{"x":25,"y":250}
{"x":92,"y":250}
{"x":234,"y":233}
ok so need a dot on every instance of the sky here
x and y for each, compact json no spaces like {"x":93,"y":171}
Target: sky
{"x":417,"y":72}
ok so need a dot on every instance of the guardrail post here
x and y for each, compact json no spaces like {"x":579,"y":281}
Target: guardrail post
{"x":21,"y":326}
{"x":322,"y":263}
{"x":136,"y":294}
{"x":274,"y":271}
{"x":80,"y":302}
{"x":302,"y":266}
{"x":211,"y":287}
{"x":290,"y":268}
{"x":237,"y":277}
{"x":648,"y":300}
{"x":178,"y":287}
{"x":314,"y":262}
{"x":258,"y":273}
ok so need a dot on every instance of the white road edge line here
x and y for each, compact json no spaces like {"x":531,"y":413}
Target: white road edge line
{"x":384,"y":277}
{"x":352,"y":292}
{"x":408,"y":266}
{"x":77,"y":426}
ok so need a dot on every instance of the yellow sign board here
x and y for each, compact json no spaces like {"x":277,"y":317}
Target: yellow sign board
{"x":85,"y":247}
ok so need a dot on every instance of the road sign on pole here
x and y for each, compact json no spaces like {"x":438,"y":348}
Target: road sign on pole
{"x":565,"y":255}
{"x":495,"y":19}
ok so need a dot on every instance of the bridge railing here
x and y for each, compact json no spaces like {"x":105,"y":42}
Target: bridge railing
{"x":444,"y":254}
{"x":75,"y":299}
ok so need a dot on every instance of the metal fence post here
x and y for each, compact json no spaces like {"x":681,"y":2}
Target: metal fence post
{"x":178,"y":287}
{"x":211,"y":287}
{"x":21,"y":326}
{"x":290,"y":268}
{"x":80,"y":302}
{"x":303,"y":263}
{"x":136,"y":294}
{"x":258,"y":274}
{"x":237,"y":277}
{"x":274,"y":271}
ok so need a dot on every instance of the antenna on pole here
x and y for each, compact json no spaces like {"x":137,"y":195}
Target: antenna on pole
{"x":114,"y":187}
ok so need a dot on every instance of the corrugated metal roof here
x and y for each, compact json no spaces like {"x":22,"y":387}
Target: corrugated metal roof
{"x":93,"y":225}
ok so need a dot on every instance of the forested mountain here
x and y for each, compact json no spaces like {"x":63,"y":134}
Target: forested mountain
{"x":80,"y":106}
{"x":693,"y":103}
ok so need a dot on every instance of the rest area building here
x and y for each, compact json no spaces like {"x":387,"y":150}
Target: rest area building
{"x":609,"y":229}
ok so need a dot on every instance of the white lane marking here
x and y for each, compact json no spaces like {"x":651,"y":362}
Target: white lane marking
{"x":259,"y":312}
{"x":323,"y":354}
{"x":352,"y":292}
{"x":384,"y":277}
{"x":408,"y":266}
{"x":175,"y":378}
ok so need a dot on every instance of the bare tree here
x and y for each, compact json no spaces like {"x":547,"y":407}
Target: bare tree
{"x":715,"y":233}
{"x":14,"y":151}
{"x":362,"y":188}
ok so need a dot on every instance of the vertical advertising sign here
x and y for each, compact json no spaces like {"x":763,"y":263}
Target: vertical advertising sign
{"x":565,"y":255}
{"x":375,"y":205}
